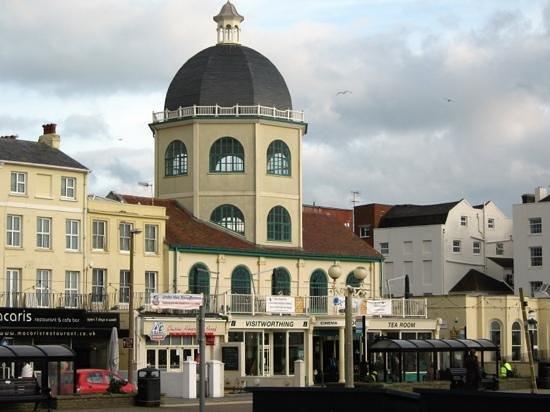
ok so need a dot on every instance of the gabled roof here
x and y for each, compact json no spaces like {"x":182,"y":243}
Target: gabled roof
{"x":417,"y":215}
{"x":476,"y":281}
{"x":323,"y":236}
{"x":546,"y":199}
{"x":25,"y":151}
{"x":505,"y":262}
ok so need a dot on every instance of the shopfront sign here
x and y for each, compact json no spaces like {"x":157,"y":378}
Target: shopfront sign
{"x":19,"y":322}
{"x":181,"y":301}
{"x":381,"y":307}
{"x":402,"y":324}
{"x":158,"y":332}
{"x":174,"y":327}
{"x":279,"y":304}
{"x":269,"y":323}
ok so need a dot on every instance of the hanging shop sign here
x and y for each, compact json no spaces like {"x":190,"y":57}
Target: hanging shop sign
{"x":158,"y":331}
{"x":279,"y":304}
{"x":381,"y":307}
{"x":181,"y":301}
{"x":20,"y":322}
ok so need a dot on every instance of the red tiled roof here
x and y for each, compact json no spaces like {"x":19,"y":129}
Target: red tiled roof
{"x":322,"y":235}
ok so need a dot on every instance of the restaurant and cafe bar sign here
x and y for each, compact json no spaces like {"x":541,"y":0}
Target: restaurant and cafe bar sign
{"x":22,"y":322}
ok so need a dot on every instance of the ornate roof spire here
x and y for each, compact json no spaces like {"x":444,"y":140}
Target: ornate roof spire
{"x":229,"y":21}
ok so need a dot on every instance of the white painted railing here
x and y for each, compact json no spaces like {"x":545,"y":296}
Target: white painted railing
{"x":233,"y":111}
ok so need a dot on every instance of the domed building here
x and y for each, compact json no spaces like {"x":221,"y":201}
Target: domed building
{"x":228,"y":144}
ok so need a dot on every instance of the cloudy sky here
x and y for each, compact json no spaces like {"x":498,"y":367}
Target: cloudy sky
{"x":99,"y":68}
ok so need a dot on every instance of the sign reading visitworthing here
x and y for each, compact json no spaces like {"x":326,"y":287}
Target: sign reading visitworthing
{"x":379,"y":307}
{"x":179,"y":301}
{"x":279,"y":304}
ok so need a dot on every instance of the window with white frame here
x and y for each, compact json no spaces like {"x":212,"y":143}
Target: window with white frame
{"x":516,"y":341}
{"x":99,"y":277}
{"x":124,"y":232}
{"x":151,"y":235}
{"x":18,"y":184}
{"x":364,"y":231}
{"x":124,"y":291}
{"x":42,"y":287}
{"x":457,"y":245}
{"x":72,"y":234}
{"x":99,"y":235}
{"x":72,"y":288}
{"x":463,"y":220}
{"x":68,"y":187}
{"x":536,"y":256}
{"x":535,"y":225}
{"x":491,"y":223}
{"x":384,"y":248}
{"x":499,"y":248}
{"x":150,"y":285}
{"x":13,"y":230}
{"x":13,"y":288}
{"x":476,"y":247}
{"x":43,"y":232}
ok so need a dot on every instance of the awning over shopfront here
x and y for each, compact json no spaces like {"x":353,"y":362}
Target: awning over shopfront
{"x":433,"y":345}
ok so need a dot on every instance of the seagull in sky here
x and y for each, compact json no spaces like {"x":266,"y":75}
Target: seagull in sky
{"x":342,"y":92}
{"x":448,"y":100}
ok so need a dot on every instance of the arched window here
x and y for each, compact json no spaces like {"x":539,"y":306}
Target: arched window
{"x":352,"y":281}
{"x":280,"y":282}
{"x":495,"y":335}
{"x":278,"y":224}
{"x":240,"y":281}
{"x":175,"y":159}
{"x":318,"y":291}
{"x":227,"y":156}
{"x":229,"y":217}
{"x":278,"y":158}
{"x":199,"y":279}
{"x":516,"y":341}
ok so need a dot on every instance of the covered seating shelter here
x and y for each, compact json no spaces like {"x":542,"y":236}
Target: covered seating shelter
{"x":53,"y":366}
{"x":395,"y":353}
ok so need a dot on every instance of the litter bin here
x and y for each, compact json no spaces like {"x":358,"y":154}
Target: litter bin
{"x":544,"y":374}
{"x":148,"y":383}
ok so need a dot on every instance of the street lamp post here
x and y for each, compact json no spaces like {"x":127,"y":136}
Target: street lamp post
{"x":131,"y":332}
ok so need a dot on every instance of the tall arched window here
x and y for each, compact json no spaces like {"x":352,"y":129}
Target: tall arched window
{"x":227,"y":156}
{"x":352,"y":281}
{"x":199,"y":279}
{"x":240,"y":281}
{"x":280,"y":282}
{"x":175,"y":159}
{"x":318,"y":291}
{"x":230,"y":217}
{"x":278,"y":224}
{"x":278,"y":158}
{"x":495,"y":335}
{"x":516,"y":341}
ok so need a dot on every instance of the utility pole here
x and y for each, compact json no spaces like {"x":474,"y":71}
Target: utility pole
{"x":131,"y":319}
{"x":528,"y":341}
{"x":202,"y":356}
{"x":354,"y":201}
{"x":349,"y":339}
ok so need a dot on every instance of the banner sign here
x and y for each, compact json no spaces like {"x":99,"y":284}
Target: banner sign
{"x":179,"y":301}
{"x":56,"y":322}
{"x":279,"y":304}
{"x":381,"y":307}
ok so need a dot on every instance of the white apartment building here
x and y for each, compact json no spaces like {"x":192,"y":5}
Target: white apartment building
{"x":531,"y":246}
{"x":437,"y":245}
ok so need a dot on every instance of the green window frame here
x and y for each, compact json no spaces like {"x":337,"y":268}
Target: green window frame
{"x":278,"y":159}
{"x":241,"y":281}
{"x":280,"y":282}
{"x":279,"y":226}
{"x":352,"y":281}
{"x":199,"y":279}
{"x":229,"y":217}
{"x":175,"y":159}
{"x":318,"y":283}
{"x":227,"y":156}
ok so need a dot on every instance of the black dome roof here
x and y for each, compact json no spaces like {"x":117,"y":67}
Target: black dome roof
{"x":228,"y":75}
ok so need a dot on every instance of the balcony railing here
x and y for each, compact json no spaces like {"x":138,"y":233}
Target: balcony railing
{"x":233,"y":111}
{"x":225,"y":303}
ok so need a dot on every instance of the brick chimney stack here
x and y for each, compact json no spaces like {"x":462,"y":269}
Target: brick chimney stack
{"x":50,"y":137}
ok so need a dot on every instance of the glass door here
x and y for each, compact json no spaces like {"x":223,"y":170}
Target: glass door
{"x":266,"y":364}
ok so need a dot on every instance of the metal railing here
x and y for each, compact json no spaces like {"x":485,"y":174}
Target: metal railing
{"x":233,"y":111}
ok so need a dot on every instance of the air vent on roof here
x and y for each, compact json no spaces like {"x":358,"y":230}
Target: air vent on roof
{"x":528,"y":198}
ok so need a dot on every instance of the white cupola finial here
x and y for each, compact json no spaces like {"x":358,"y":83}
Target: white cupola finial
{"x":229,"y":21}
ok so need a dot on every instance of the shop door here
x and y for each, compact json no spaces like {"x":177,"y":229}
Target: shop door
{"x":266,"y":358}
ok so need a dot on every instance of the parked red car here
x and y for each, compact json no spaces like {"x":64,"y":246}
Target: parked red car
{"x":98,"y":381}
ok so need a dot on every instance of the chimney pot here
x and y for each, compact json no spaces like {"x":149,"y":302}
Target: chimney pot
{"x":49,"y":128}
